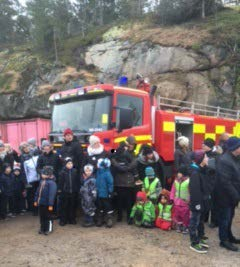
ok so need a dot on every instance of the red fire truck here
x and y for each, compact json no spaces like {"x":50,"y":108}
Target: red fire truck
{"x":114,"y":112}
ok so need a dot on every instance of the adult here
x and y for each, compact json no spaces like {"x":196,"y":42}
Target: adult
{"x":182,"y":153}
{"x":208,"y":147}
{"x":11,"y":155}
{"x":124,"y":168}
{"x":150,"y":158}
{"x":31,"y":175}
{"x":228,"y":192}
{"x":132,"y":144}
{"x":95,"y":151}
{"x":49,"y":158}
{"x":72,"y":148}
{"x":223,"y":141}
{"x":34,"y":149}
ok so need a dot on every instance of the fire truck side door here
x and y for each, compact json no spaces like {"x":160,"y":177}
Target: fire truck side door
{"x":184,"y":127}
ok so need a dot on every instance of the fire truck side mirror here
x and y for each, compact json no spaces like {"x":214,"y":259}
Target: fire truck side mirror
{"x":124,"y":119}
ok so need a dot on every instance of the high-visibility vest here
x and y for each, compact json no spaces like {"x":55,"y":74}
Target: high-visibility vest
{"x":150,"y":189}
{"x":165,"y":212}
{"x":182,"y":189}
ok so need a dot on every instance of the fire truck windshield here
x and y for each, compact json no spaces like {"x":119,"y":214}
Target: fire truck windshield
{"x":82,"y":115}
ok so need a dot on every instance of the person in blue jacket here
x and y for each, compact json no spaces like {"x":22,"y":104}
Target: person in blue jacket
{"x":104,"y":184}
{"x":44,"y":199}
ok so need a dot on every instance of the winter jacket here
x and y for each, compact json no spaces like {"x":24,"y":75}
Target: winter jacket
{"x":152,"y":187}
{"x":181,"y":158}
{"x":19,"y":185}
{"x":51,"y":159}
{"x":180,"y":192}
{"x":143,"y":213}
{"x":228,"y":180}
{"x":124,"y":168}
{"x":164,"y":211}
{"x":156,"y":163}
{"x":30,"y":168}
{"x":11,"y":157}
{"x":104,"y":183}
{"x":88,"y":193}
{"x":93,"y":155}
{"x":73,"y":150}
{"x":69,"y":182}
{"x":46,"y":192}
{"x":7,"y":181}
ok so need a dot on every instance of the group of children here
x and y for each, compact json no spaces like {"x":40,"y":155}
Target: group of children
{"x":157,"y":207}
{"x":12,"y":192}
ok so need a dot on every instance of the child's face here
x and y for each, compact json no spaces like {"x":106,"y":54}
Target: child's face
{"x":8,"y":170}
{"x":17,"y":172}
{"x":44,"y":176}
{"x":179,"y":175}
{"x":69,"y":165}
{"x":163,"y":200}
{"x":88,"y":172}
{"x":140,"y":201}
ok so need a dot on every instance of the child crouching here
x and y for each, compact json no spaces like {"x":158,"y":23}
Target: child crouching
{"x":88,"y":193}
{"x":164,"y":211}
{"x":143,"y":212}
{"x":104,"y":183}
{"x":44,"y":199}
{"x":180,"y":196}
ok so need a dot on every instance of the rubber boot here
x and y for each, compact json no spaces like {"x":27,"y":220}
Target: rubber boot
{"x":109,"y":220}
{"x":100,"y":217}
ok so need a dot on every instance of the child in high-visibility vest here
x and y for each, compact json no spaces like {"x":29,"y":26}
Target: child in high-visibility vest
{"x":151,"y":185}
{"x":180,"y":197}
{"x":143,"y":212}
{"x":164,"y":211}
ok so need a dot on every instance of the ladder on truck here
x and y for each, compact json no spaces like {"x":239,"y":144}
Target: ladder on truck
{"x":176,"y":105}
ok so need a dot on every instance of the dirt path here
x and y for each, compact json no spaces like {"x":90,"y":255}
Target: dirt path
{"x":124,"y":245}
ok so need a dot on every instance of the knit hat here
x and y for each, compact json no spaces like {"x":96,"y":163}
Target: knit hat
{"x":47,"y":170}
{"x":198,"y":156}
{"x":147,"y":150}
{"x":233,"y":143}
{"x":141,"y":196}
{"x":68,"y":159}
{"x":67,"y":131}
{"x":32,"y":141}
{"x":149,"y":171}
{"x":183,"y":141}
{"x":88,"y":167}
{"x":103,"y":163}
{"x":183,"y":170}
{"x":45,"y":143}
{"x":5,"y":166}
{"x":23,"y":145}
{"x":209,"y":142}
{"x":93,"y":139}
{"x":131,"y":140}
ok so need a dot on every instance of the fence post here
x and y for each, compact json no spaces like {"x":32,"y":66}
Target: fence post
{"x":218,"y":111}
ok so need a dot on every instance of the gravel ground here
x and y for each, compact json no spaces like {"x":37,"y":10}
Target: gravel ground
{"x":122,"y":245}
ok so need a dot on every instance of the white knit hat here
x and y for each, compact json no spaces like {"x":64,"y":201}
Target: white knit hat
{"x":93,"y":140}
{"x":89,"y":167}
{"x":183,"y":141}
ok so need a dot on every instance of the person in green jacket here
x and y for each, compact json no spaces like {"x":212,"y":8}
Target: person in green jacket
{"x":143,"y":212}
{"x":151,"y":185}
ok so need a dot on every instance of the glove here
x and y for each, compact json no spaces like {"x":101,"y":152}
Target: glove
{"x":50,"y":208}
{"x":35,"y":204}
{"x":130,"y":221}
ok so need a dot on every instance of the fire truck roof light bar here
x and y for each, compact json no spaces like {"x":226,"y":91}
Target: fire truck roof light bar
{"x":196,"y":108}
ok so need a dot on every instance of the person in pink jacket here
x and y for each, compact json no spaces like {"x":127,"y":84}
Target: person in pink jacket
{"x":180,"y":197}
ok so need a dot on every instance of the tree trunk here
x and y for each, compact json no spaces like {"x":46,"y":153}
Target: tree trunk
{"x":55,"y":45}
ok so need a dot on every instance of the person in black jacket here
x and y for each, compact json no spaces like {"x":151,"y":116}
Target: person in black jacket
{"x":49,"y":158}
{"x":68,"y":186}
{"x":199,"y":196}
{"x":228,"y":192}
{"x":19,"y":190}
{"x":72,"y":148}
{"x":182,"y":153}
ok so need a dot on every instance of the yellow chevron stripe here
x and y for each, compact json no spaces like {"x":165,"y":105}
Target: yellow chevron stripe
{"x":199,"y":128}
{"x":138,"y":138}
{"x":168,"y":126}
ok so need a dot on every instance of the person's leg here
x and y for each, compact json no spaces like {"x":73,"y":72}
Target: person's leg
{"x":41,"y":217}
{"x":230,"y":234}
{"x":129,"y":200}
{"x":193,"y":227}
{"x":201,"y":230}
{"x":100,"y":212}
{"x":108,"y":212}
{"x":223,"y":223}
{"x":120,"y":200}
{"x":11,"y":204}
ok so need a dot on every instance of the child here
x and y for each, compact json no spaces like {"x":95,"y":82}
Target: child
{"x":164,"y":211}
{"x":104,"y":183}
{"x":143,"y":211}
{"x":88,"y":193}
{"x":44,"y":199}
{"x":69,"y":184}
{"x":8,"y":194}
{"x":180,"y":197}
{"x":19,"y":190}
{"x":151,"y":185}
{"x":197,"y":203}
